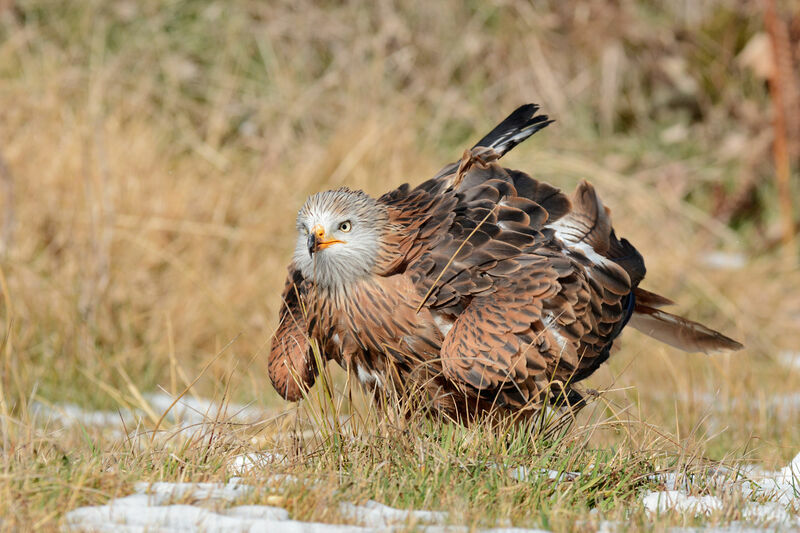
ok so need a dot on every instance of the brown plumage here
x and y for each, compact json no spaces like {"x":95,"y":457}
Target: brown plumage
{"x":482,"y":286}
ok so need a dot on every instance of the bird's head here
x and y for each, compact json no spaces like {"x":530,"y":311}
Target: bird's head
{"x":339,"y":236}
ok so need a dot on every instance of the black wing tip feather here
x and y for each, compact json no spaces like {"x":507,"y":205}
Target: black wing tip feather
{"x":515,"y":128}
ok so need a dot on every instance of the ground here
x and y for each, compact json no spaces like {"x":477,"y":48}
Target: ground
{"x":153,"y":156}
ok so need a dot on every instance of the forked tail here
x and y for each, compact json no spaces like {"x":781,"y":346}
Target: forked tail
{"x":675,"y":330}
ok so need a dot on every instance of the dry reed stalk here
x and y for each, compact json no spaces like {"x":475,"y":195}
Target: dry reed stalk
{"x":7,"y":224}
{"x":780,"y":46}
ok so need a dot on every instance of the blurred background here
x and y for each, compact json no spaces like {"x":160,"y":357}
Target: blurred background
{"x":153,"y":155}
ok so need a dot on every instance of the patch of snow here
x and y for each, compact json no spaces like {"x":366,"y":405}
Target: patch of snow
{"x":781,"y":489}
{"x":720,"y":260}
{"x":522,"y":473}
{"x":199,"y":410}
{"x":145,"y":511}
{"x":277,"y":481}
{"x":782,"y":486}
{"x":769,"y":512}
{"x":668,"y":500}
{"x":608,"y":526}
{"x":69,"y":415}
{"x":187,"y":413}
{"x":682,"y":481}
{"x":377,"y":515}
{"x":258,"y":512}
{"x":248,"y":462}
{"x":789,"y":359}
{"x":514,"y":530}
{"x":774,"y":495}
{"x":733,"y":527}
{"x":671,"y":479}
{"x":784,"y":407}
{"x":674,"y":500}
{"x":154,"y":507}
{"x":166,"y":491}
{"x":141,"y":499}
{"x":189,"y":518}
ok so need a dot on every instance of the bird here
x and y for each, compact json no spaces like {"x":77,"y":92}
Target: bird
{"x":482,"y":289}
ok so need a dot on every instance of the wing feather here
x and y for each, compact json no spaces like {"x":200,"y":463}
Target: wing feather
{"x":291,"y":366}
{"x":518,"y":126}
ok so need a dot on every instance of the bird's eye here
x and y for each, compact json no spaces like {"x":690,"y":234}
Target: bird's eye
{"x":345,"y":226}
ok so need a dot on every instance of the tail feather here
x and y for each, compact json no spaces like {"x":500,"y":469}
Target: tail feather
{"x":680,"y":332}
{"x":517,"y":127}
{"x":651,"y":299}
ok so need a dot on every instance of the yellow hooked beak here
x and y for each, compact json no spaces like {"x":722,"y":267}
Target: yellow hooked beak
{"x":318,"y":240}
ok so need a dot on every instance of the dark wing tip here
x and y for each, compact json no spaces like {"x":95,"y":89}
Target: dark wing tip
{"x":515,"y":128}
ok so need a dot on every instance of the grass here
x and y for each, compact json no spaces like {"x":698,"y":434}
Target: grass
{"x":156,"y":155}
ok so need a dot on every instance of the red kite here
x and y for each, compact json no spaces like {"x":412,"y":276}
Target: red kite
{"x":483,"y":287}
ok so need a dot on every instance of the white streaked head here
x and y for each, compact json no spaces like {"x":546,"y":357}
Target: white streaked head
{"x":338,"y":237}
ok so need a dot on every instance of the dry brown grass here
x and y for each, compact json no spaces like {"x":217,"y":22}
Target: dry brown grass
{"x":157,"y":152}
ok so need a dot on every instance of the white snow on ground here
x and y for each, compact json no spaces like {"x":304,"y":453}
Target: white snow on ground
{"x":376,"y":515}
{"x":674,"y":500}
{"x":779,"y":491}
{"x":784,"y":408}
{"x":248,"y":462}
{"x":782,"y":486}
{"x":663,"y":501}
{"x":772,"y":497}
{"x":162,"y":492}
{"x":69,"y":415}
{"x":165,"y":506}
{"x":720,"y":260}
{"x":198,"y":410}
{"x":187,"y":413}
{"x":131,"y":517}
{"x":733,"y":527}
{"x":780,"y":404}
{"x":522,"y":473}
{"x":789,"y":359}
{"x":154,"y":507}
